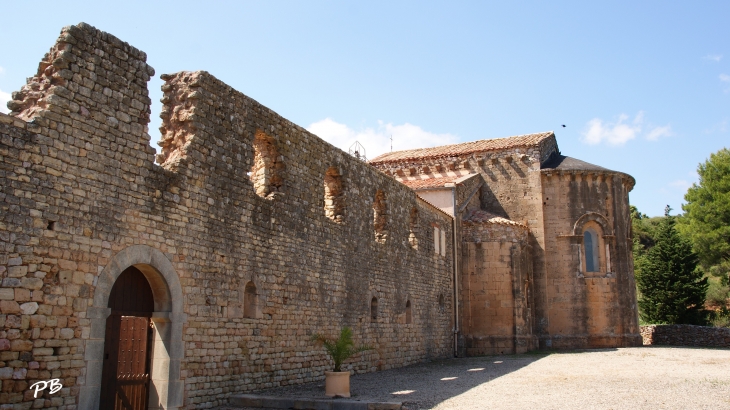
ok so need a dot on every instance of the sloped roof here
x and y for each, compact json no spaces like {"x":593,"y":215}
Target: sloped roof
{"x":559,"y":162}
{"x":425,"y":181}
{"x":465,"y":148}
{"x":563,"y":163}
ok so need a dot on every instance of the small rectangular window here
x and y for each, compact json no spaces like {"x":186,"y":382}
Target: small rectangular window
{"x":443,"y":243}
{"x":436,"y":241}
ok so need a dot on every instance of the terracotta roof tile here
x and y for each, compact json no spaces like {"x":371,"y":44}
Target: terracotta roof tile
{"x":465,"y":148}
{"x":429,"y":182}
{"x":480,"y":216}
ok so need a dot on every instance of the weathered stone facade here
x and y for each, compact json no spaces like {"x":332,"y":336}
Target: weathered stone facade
{"x":252,"y":233}
{"x":543,"y":242}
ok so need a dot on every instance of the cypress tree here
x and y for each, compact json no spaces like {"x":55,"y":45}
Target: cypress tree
{"x":672,"y":289}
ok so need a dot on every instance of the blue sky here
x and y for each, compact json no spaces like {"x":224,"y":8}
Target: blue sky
{"x":643,"y":87}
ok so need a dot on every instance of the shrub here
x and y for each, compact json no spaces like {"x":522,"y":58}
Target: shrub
{"x":342,"y":348}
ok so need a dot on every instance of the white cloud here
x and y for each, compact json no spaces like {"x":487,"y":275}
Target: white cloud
{"x":658,"y":132}
{"x":377,"y":140}
{"x":2,"y":70}
{"x":621,"y":131}
{"x":615,"y":133}
{"x":713,"y":57}
{"x":4,"y":98}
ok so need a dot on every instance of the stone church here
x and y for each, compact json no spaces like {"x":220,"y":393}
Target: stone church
{"x":172,"y":281}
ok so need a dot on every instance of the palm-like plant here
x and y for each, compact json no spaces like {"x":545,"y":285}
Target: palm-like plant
{"x":342,"y":348}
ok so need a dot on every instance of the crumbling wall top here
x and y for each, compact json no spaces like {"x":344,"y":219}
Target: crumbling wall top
{"x":92,"y":85}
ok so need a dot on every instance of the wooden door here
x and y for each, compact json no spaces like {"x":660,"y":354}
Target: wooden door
{"x":126,"y":372}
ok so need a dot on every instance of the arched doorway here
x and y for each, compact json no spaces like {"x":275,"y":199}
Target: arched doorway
{"x":166,"y":389}
{"x":127,"y":343}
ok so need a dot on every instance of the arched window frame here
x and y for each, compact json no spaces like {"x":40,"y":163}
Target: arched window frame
{"x":598,"y":227}
{"x":374,"y":309}
{"x":380,"y":216}
{"x":251,"y":302}
{"x":413,"y":226}
{"x":267,"y":168}
{"x":334,"y":201}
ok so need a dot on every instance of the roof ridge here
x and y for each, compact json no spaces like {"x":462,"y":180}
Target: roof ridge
{"x":463,"y":148}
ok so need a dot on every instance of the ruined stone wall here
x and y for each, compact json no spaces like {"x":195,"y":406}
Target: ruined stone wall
{"x":239,"y":198}
{"x":588,"y":309}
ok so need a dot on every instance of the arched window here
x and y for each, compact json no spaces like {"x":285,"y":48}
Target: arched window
{"x":594,"y":236}
{"x":591,"y":250}
{"x":334,"y":206}
{"x":409,"y":316}
{"x":374,"y":309}
{"x":413,"y":227}
{"x":250,"y":301}
{"x":266,"y":173}
{"x":380,"y":217}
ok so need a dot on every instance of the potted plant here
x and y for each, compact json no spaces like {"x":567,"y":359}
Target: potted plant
{"x":337,"y":382}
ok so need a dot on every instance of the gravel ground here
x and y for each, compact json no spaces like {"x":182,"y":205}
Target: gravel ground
{"x":629,"y":378}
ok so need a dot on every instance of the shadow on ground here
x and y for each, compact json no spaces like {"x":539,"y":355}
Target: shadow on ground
{"x":420,"y":386}
{"x":625,"y":378}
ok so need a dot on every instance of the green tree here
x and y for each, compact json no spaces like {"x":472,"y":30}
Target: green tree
{"x":672,"y":288}
{"x":644,"y":230}
{"x":707,"y":212}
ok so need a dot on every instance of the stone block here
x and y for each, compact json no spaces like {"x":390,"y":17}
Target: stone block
{"x":9,"y":307}
{"x":7,"y":294}
{"x":20,"y":345}
{"x":29,"y":308}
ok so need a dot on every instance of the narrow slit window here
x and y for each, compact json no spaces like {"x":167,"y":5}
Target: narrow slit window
{"x":250,"y":301}
{"x":409,"y":316}
{"x":436,"y":240}
{"x":443,"y":243}
{"x":374,"y":309}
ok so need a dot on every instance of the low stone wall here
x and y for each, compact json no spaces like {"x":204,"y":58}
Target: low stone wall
{"x":685,"y":335}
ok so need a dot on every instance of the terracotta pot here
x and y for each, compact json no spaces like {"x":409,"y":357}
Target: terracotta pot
{"x":337,"y":384}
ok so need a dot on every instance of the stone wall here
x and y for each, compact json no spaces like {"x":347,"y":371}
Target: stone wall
{"x":511,"y":189}
{"x":239,"y":198}
{"x":496,"y":287}
{"x":588,"y":309}
{"x":685,"y":335}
